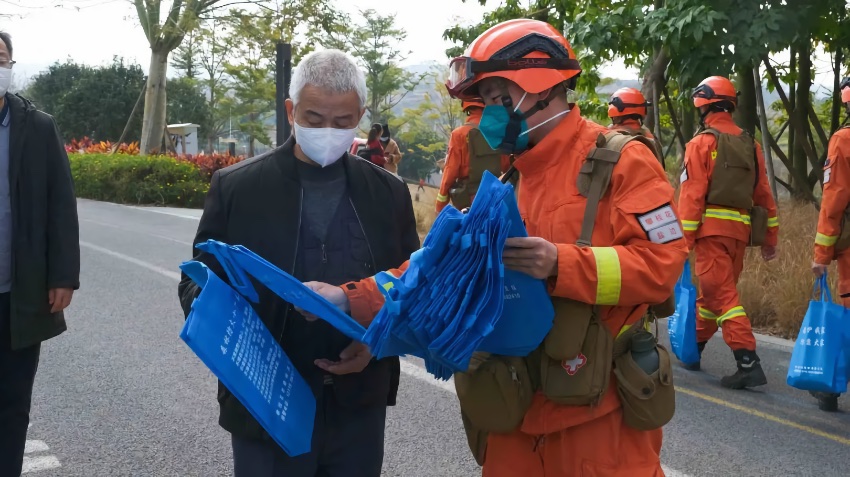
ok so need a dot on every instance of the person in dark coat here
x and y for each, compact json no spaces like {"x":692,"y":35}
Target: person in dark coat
{"x":320,"y":214}
{"x":39,"y":253}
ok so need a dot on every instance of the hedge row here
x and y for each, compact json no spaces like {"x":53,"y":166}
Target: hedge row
{"x":139,"y":180}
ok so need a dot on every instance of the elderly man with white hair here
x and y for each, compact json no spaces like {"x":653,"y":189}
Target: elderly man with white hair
{"x":324,"y":215}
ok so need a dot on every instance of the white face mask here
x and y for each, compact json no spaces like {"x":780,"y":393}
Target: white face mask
{"x":5,"y":80}
{"x":324,"y":146}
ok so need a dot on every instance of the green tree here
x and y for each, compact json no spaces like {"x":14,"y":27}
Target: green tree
{"x":188,"y":104}
{"x":49,"y":88}
{"x":90,"y":101}
{"x":213,"y":51}
{"x":163,"y":35}
{"x":437,"y":109}
{"x":186,"y":56}
{"x":250,"y":63}
{"x":375,"y":42}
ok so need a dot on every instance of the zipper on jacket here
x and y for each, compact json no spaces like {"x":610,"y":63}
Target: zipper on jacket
{"x":294,"y":261}
{"x":368,"y":245}
{"x":324,"y":254}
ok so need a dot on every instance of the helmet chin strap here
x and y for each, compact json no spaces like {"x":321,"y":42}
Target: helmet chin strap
{"x":514,"y":128}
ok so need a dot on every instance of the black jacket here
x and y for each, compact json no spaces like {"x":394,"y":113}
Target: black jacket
{"x":45,"y":230}
{"x":257,"y":204}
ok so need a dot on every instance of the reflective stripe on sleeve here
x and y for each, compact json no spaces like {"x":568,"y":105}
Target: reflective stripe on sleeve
{"x":826,"y":240}
{"x":608,"y":275}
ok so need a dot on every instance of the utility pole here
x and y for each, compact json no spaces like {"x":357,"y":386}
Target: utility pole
{"x":283,"y":73}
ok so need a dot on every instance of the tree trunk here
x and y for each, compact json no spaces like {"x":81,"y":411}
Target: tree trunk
{"x":250,"y":146}
{"x":792,"y":99}
{"x":153,"y":123}
{"x":689,"y":123}
{"x":837,"y":105}
{"x":375,"y":100}
{"x":746,"y":114}
{"x":653,"y":84}
{"x":801,"y":110}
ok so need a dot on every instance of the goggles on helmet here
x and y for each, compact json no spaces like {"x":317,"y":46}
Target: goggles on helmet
{"x":621,"y":106}
{"x":705,"y":91}
{"x":463,"y":69}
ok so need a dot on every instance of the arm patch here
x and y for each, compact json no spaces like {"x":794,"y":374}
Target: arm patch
{"x":661,"y":225}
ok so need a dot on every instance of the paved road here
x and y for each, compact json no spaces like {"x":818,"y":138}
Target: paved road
{"x":120,"y":394}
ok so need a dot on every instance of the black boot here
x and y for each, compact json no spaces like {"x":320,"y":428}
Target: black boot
{"x":695,"y":366}
{"x":749,"y":372}
{"x":827,"y":402}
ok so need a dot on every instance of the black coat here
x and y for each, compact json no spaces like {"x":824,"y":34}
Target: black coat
{"x":257,"y":204}
{"x":45,"y":230}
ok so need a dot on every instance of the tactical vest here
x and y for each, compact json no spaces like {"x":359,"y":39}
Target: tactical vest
{"x":497,"y":391}
{"x":735,"y":176}
{"x":481,"y":158}
{"x":651,"y":143}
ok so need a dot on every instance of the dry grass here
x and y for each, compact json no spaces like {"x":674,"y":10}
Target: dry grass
{"x":424,"y":209}
{"x":775,"y":294}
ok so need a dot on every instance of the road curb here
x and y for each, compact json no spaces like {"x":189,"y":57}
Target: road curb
{"x":774,"y":342}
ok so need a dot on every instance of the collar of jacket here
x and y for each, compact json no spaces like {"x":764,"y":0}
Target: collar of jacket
{"x":632,"y":125}
{"x":18,"y":105}
{"x":555,"y":146}
{"x":723,"y":122}
{"x":357,"y":172}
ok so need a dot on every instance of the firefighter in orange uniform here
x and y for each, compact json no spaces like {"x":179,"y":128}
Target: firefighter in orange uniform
{"x":524,"y":69}
{"x":627,"y":110}
{"x":457,"y":172}
{"x":723,"y":185}
{"x":834,"y":204}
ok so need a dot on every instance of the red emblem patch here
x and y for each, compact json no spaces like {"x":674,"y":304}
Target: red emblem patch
{"x":571,"y":366}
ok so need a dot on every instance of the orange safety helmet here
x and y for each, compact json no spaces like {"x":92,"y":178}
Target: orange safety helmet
{"x":473,"y":103}
{"x":715,"y":89}
{"x":531,"y":53}
{"x":844,"y":87}
{"x":626,"y":102}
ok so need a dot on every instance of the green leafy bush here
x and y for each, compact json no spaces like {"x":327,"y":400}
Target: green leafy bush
{"x":141,"y":180}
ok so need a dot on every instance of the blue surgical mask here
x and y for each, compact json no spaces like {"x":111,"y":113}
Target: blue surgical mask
{"x":508,"y":130}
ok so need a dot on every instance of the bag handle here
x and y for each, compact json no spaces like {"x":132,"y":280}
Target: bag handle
{"x":685,"y":277}
{"x":822,"y":284}
{"x":238,"y":278}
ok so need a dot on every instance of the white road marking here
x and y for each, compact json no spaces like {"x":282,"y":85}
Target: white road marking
{"x":406,"y":366}
{"x":125,"y":229}
{"x":419,"y":373}
{"x":35,"y":446}
{"x":37,"y":464}
{"x":164,"y":212}
{"x":135,"y":261}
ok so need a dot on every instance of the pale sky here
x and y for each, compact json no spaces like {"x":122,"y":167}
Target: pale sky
{"x":93,"y":31}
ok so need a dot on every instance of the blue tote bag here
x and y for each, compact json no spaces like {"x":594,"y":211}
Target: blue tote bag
{"x":818,"y":362}
{"x":682,"y":326}
{"x":225,"y":332}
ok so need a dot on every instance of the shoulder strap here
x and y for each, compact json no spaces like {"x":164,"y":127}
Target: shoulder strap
{"x":599,"y":165}
{"x":712,"y":131}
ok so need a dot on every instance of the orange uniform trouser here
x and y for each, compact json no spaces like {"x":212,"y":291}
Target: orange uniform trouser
{"x":603,"y":447}
{"x":719,"y":261}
